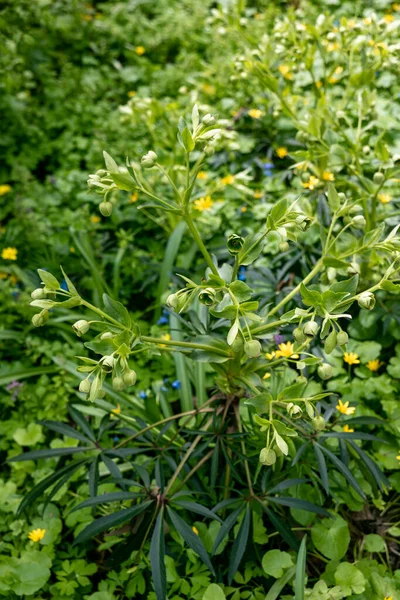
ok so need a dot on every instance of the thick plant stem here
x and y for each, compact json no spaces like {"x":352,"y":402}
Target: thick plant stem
{"x":187,"y":456}
{"x":199,"y":242}
{"x":246,"y":464}
{"x":315,"y":270}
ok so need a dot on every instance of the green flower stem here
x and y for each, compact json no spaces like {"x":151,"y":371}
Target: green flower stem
{"x":317,"y":267}
{"x":184,"y":460}
{"x":162,"y":422}
{"x":235,"y":268}
{"x":243,"y":446}
{"x":199,"y":241}
{"x":264,"y":328}
{"x":188,"y":345}
{"x":171,"y":181}
{"x":101,"y":313}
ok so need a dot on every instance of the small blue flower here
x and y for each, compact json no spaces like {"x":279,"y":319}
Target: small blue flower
{"x":116,"y":438}
{"x":176,"y":385}
{"x":267,"y":168}
{"x":162,"y":321}
{"x":279,"y":339}
{"x":63,"y":285}
{"x":164,"y":388}
{"x":166,"y":379}
{"x":142,"y":395}
{"x":242,"y":273}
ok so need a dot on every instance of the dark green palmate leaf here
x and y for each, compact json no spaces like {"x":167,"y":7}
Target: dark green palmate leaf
{"x":239,"y":545}
{"x":323,"y":471}
{"x":82,"y":422}
{"x":300,"y":582}
{"x":379,"y":477}
{"x":343,"y":469}
{"x":196,"y":508}
{"x":300,"y":504}
{"x":65,"y":430}
{"x":105,"y":498}
{"x":109,"y":521}
{"x":283,"y":529}
{"x":157,"y":557}
{"x":227,"y":526}
{"x":51,"y":453}
{"x":43,"y":485}
{"x":191,"y":538}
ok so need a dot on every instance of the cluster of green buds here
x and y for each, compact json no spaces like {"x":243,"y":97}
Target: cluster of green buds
{"x":102,"y":183}
{"x":116,"y":366}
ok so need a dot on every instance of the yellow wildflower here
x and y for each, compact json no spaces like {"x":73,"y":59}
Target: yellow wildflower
{"x":95,"y":219}
{"x":140,"y":50}
{"x":255,"y":113}
{"x":270,"y":355}
{"x":36,"y":535}
{"x":203,"y":203}
{"x":243,"y":209}
{"x":328,"y":176}
{"x":384,"y":198}
{"x":332,"y":46}
{"x":134,"y":197}
{"x":195,"y":530}
{"x":286,"y":350}
{"x":131,"y":94}
{"x":311,"y":183}
{"x":285,"y":71}
{"x":9,"y":253}
{"x":208,"y":89}
{"x":345,"y":409}
{"x":165,"y":337}
{"x":351,"y":358}
{"x":374,"y":365}
{"x":202,"y":175}
{"x":116,"y":411}
{"x":282,"y":152}
{"x":338,"y":70}
{"x":318,"y":84}
{"x":72,"y":249}
{"x":258,"y":194}
{"x":367,"y":21}
{"x":347,"y":429}
{"x":388,"y":18}
{"x":396,"y":7}
{"x":3,"y":275}
{"x":398,"y":456}
{"x":4,"y":189}
{"x":388,"y":598}
{"x":267,"y":376}
{"x":228,"y":180}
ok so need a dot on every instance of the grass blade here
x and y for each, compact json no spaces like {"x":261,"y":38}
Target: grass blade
{"x":300,"y":583}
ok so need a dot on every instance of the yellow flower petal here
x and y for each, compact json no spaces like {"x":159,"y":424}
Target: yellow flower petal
{"x":36,"y":535}
{"x":9,"y":253}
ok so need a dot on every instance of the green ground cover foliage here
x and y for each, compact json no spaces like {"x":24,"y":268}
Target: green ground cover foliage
{"x":203,"y":401}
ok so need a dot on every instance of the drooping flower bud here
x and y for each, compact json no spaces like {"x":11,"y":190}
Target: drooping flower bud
{"x":319,"y":423}
{"x":208,"y":120}
{"x":366,"y":300}
{"x":81,"y":327}
{"x":294,"y":410}
{"x":129,"y":377}
{"x":298,"y":335}
{"x":40,"y":319}
{"x":149,"y":160}
{"x":207,"y":296}
{"x":107,"y":335}
{"x":107,"y":363}
{"x":354,"y":269}
{"x":284,"y":246}
{"x":325,"y":371}
{"x":379,"y":178}
{"x":235,"y":243}
{"x":105,"y":208}
{"x":172,"y":300}
{"x":310,"y":329}
{"x":359,"y":222}
{"x":84,"y":386}
{"x":252,"y":348}
{"x":118,"y":384}
{"x":267,"y":457}
{"x":342,"y":338}
{"x":38,"y":294}
{"x":303,"y":222}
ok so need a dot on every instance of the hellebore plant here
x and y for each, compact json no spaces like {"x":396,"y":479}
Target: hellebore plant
{"x":262,"y":403}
